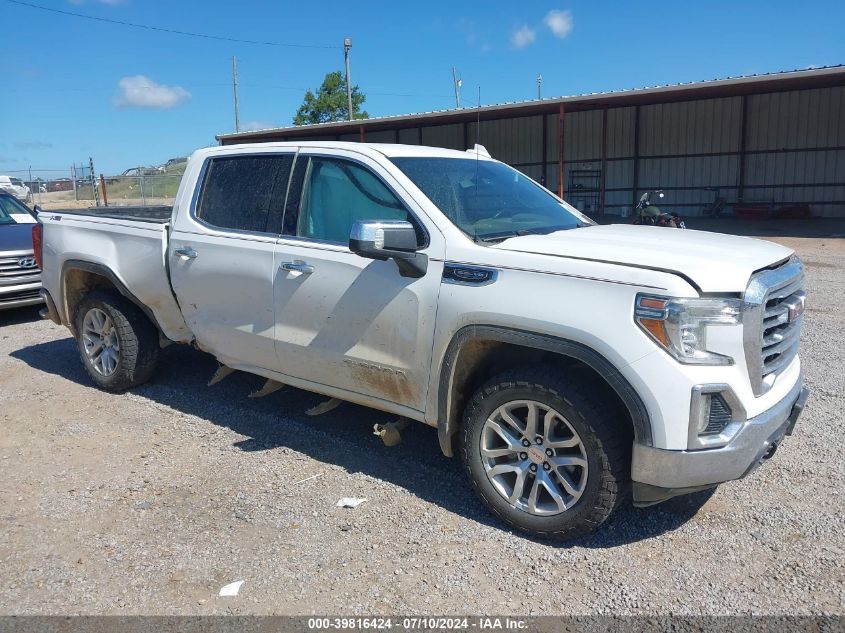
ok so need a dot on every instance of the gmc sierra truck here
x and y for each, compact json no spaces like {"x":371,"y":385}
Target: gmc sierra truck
{"x":569,"y":364}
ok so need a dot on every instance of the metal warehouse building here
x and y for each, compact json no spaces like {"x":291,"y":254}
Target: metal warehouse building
{"x":774,"y":139}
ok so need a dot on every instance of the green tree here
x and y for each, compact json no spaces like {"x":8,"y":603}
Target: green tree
{"x":330,"y":103}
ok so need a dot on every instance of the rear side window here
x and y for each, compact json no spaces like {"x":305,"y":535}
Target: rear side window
{"x":245,"y":193}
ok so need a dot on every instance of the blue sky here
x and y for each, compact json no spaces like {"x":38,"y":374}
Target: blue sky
{"x":75,"y":87}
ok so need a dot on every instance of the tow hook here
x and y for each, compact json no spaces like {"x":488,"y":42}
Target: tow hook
{"x":769,"y":453}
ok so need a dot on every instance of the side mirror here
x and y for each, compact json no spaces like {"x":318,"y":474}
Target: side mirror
{"x":389,"y":239}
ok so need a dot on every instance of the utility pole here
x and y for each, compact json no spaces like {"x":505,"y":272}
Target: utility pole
{"x":458,"y":83}
{"x":235,"y":88}
{"x":539,"y":86}
{"x":347,"y":44}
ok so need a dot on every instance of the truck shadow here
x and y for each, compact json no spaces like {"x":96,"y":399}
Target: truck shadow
{"x":342,"y":437}
{"x":16,"y":316}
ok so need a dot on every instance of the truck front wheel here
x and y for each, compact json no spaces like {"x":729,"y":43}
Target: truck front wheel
{"x":544,"y":452}
{"x":117,"y":342}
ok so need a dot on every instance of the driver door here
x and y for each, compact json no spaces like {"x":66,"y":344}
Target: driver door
{"x":341,"y":319}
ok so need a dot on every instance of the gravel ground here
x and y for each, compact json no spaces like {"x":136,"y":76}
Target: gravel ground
{"x":150,"y":502}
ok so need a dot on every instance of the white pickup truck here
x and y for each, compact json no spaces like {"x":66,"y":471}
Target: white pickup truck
{"x":569,"y":364}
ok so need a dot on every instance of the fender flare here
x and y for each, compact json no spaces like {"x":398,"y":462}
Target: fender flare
{"x":108,"y":273}
{"x":447,"y":428}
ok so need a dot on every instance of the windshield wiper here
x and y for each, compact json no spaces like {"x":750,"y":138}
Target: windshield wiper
{"x":488,"y":239}
{"x":522,"y":232}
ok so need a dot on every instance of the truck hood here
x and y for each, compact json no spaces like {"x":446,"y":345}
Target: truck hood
{"x":15,"y":238}
{"x":712,"y":261}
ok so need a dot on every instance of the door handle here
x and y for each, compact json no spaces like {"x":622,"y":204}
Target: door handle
{"x":187,"y":252}
{"x":298,"y":266}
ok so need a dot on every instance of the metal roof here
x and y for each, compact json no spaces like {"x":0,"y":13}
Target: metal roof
{"x":729,"y":86}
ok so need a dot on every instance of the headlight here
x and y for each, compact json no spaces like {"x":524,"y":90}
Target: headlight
{"x":680,"y":325}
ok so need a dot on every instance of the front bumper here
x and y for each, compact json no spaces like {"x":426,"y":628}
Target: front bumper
{"x":659,"y":474}
{"x":20,"y":295}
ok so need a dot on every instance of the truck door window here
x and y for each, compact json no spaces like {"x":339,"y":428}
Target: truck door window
{"x":245,"y":193}
{"x":335,"y":194}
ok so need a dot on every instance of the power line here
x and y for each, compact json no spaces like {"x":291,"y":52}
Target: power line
{"x":162,"y":29}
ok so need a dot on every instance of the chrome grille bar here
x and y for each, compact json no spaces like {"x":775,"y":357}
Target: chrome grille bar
{"x":10,"y":267}
{"x":771,"y":330}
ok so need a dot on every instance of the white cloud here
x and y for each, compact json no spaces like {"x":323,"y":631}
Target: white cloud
{"x":252,"y":126}
{"x":524,"y":36}
{"x":142,"y":92}
{"x":560,"y":23}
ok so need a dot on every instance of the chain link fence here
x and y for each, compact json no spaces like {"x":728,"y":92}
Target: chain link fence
{"x":78,"y":188}
{"x":144,"y":190}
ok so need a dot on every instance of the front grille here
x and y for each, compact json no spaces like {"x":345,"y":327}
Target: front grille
{"x":22,"y":295}
{"x":772,"y":322}
{"x":11,"y":267}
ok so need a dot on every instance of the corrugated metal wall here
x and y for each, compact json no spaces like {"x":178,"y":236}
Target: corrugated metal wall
{"x":796,"y":149}
{"x":793,"y":150}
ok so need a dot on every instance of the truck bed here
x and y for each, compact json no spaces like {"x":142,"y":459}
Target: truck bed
{"x":155,"y":214}
{"x":127,"y":245}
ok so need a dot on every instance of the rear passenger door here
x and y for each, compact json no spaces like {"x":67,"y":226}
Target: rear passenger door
{"x":343,"y":320}
{"x":221,"y":256}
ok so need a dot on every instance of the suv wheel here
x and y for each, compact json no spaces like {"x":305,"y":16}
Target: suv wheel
{"x":544,"y":453}
{"x":116,"y":341}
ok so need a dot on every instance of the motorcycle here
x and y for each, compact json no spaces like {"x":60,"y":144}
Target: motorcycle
{"x":648,"y":213}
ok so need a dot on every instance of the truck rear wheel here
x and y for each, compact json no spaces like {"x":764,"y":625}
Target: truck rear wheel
{"x":117,"y":342}
{"x":544,"y":452}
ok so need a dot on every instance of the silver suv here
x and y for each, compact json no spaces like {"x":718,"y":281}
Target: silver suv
{"x":16,"y":187}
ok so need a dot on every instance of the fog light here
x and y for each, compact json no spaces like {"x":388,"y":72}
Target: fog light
{"x":718,"y":417}
{"x":715,"y":416}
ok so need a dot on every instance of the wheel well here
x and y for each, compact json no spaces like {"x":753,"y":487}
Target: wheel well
{"x":478,"y":360}
{"x":80,"y":278}
{"x":77,"y":284}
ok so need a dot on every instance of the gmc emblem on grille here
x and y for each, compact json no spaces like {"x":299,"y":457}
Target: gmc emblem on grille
{"x":796,"y":307}
{"x":27,"y":262}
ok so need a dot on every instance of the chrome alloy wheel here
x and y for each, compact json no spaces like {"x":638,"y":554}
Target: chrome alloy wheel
{"x":100,"y":341}
{"x":533,"y":457}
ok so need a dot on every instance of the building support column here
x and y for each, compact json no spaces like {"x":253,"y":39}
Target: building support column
{"x":603,"y":175}
{"x":743,"y":143}
{"x":636,"y":183}
{"x":544,"y":175}
{"x":560,"y":156}
{"x":361,"y":133}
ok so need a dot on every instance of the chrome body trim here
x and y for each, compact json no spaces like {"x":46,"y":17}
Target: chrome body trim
{"x":772,"y":332}
{"x":491,"y":275}
{"x":700,"y":410}
{"x":368,"y":230}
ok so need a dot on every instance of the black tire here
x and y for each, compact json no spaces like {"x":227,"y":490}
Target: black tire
{"x":606,"y":443}
{"x":137,"y":338}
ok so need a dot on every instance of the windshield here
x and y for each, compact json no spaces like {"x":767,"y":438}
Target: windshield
{"x":488,"y":200}
{"x":13,"y":212}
